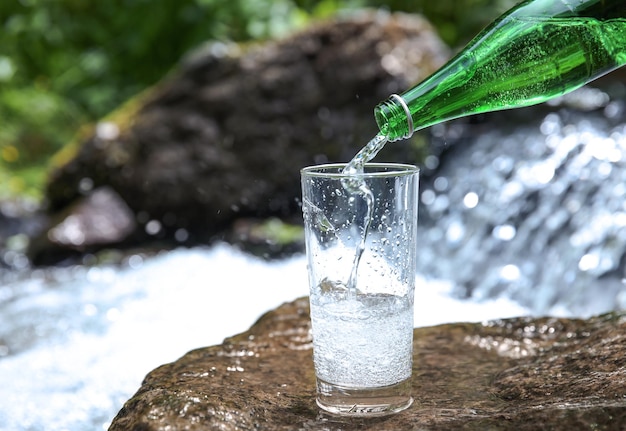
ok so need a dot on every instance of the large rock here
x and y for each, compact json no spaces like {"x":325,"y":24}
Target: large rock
{"x":517,"y":374}
{"x":224,"y":137}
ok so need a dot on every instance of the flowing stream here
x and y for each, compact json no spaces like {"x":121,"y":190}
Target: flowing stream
{"x":76,"y":342}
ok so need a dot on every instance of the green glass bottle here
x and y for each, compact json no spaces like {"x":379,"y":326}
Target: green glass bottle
{"x":538,"y":50}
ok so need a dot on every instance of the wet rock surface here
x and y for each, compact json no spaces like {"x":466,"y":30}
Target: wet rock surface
{"x":514,"y":374}
{"x":225,"y":135}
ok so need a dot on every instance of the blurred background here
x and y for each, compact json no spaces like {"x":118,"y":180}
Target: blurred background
{"x":65,"y":64}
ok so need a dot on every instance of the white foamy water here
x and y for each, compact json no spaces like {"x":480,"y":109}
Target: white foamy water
{"x":364,"y":341}
{"x":79,"y":341}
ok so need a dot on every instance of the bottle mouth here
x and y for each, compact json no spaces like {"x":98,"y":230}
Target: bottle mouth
{"x":394,"y":118}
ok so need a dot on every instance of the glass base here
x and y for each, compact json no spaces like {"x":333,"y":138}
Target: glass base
{"x":346,"y":401}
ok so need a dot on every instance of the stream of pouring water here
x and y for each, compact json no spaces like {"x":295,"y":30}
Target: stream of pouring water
{"x":356,"y":185}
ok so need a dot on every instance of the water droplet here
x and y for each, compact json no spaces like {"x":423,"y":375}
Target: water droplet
{"x":470,"y":200}
{"x":505,"y":232}
{"x":153,"y":227}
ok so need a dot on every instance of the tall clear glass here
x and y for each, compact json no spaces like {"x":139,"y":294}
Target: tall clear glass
{"x":361,"y":252}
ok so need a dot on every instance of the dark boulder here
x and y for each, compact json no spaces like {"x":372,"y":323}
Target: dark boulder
{"x":225,"y":135}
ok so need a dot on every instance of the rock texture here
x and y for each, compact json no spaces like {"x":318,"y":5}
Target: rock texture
{"x":517,"y":374}
{"x":224,"y":137}
{"x":99,"y":218}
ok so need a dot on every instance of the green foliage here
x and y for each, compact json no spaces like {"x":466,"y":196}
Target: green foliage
{"x":66,"y":63}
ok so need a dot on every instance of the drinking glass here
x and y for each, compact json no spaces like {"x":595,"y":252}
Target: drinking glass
{"x":360,"y":232}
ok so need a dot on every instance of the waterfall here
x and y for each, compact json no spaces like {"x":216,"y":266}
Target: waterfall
{"x":534,"y":212}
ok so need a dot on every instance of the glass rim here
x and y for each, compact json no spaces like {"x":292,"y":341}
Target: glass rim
{"x":334,"y":170}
